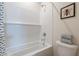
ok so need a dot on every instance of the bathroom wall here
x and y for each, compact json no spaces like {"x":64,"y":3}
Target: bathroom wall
{"x":65,"y":26}
{"x":23,"y":12}
{"x":46,"y":22}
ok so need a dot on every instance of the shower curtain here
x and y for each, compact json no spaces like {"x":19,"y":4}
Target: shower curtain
{"x":2,"y":30}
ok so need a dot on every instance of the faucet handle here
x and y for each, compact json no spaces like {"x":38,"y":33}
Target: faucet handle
{"x":44,"y":34}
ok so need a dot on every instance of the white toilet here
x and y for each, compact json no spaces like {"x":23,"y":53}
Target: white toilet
{"x":64,"y":49}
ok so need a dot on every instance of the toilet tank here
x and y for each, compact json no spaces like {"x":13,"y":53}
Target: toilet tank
{"x":64,"y":49}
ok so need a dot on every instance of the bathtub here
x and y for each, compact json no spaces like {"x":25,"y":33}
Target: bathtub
{"x":26,"y":41}
{"x":31,"y":49}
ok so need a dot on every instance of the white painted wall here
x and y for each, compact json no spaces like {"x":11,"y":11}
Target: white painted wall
{"x":46,"y":22}
{"x":23,"y":12}
{"x":67,"y":26}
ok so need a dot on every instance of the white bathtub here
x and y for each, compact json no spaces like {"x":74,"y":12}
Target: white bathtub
{"x":31,"y":49}
{"x":24,"y":40}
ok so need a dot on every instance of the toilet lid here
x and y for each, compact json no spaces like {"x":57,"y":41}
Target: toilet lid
{"x":66,"y":45}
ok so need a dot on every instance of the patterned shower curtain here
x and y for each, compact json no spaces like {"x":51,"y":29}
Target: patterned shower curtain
{"x":2,"y":30}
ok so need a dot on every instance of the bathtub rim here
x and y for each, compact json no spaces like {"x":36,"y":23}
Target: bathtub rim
{"x":37,"y":51}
